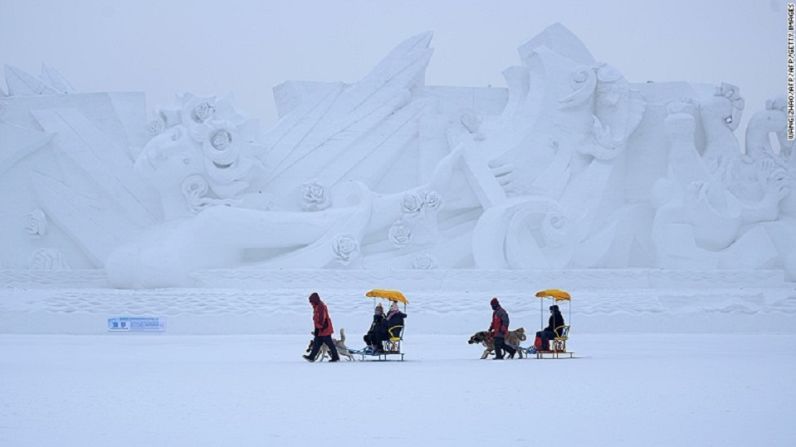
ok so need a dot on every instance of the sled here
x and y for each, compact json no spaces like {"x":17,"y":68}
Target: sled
{"x":393,"y":346}
{"x":558,"y":345}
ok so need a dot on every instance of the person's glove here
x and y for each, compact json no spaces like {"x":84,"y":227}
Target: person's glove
{"x":315,"y":332}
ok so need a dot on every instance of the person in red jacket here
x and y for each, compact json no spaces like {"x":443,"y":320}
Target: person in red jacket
{"x":499,"y":329}
{"x":323,"y":329}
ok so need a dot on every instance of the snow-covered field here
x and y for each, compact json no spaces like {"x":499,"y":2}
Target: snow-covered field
{"x":661,"y":360}
{"x":623,"y":390}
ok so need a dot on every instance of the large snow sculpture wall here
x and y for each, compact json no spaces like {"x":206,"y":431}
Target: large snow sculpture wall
{"x":571,"y":166}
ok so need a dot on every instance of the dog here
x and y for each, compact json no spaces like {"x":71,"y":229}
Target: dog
{"x":342,"y":349}
{"x":513,"y":339}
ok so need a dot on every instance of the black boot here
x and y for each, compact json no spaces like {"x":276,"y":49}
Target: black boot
{"x":498,"y":348}
{"x":316,"y":346}
{"x":332,"y":349}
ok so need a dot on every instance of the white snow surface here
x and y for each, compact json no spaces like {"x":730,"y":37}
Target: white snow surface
{"x":245,"y":390}
{"x":662,"y":359}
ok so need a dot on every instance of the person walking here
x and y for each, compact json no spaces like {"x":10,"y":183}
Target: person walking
{"x":323,"y":329}
{"x":499,"y":329}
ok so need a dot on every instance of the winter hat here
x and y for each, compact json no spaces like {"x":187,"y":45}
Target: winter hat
{"x":314,"y":298}
{"x":494,"y":303}
{"x":554,"y":308}
{"x":378,"y":310}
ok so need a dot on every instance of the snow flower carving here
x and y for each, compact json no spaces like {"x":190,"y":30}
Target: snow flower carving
{"x":155,"y":127}
{"x":36,"y":223}
{"x":345,"y":247}
{"x":314,"y":197}
{"x":400,"y":234}
{"x":424,"y":261}
{"x":432,"y":200}
{"x":411,"y":204}
{"x":202,"y":112}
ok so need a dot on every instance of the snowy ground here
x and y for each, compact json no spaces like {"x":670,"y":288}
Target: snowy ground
{"x":623,"y":390}
{"x":664,"y":359}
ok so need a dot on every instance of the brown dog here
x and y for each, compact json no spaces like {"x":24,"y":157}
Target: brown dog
{"x":342,"y":349}
{"x":513,"y":339}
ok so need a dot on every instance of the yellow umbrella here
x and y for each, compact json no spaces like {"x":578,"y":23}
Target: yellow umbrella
{"x":556,"y":294}
{"x":392,"y":295}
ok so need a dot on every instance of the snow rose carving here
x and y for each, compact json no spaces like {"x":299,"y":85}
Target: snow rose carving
{"x":424,"y":262}
{"x":345,"y":247}
{"x":155,"y":127}
{"x":400,"y":234}
{"x":36,"y":223}
{"x":202,"y":112}
{"x":411,"y":204}
{"x":314,"y":197}
{"x":432,"y":200}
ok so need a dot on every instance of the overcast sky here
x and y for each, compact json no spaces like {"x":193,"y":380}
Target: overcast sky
{"x":246,"y":47}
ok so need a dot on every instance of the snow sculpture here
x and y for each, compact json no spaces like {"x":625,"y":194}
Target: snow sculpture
{"x":571,"y":166}
{"x":713,"y":206}
{"x":201,"y":154}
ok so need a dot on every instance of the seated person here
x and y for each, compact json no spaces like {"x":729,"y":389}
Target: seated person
{"x":377,"y":332}
{"x":394,"y":321}
{"x":556,"y":320}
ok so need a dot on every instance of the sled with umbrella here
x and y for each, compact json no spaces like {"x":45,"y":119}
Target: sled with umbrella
{"x":393,"y":345}
{"x":558,"y":345}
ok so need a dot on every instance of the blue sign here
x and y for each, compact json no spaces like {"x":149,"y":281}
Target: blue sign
{"x":137,"y":324}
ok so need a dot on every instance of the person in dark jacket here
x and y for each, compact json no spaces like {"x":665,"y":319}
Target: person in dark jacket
{"x":499,"y":328}
{"x":555,"y":321}
{"x":394,"y":319}
{"x":377,"y":330}
{"x":323,"y":329}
